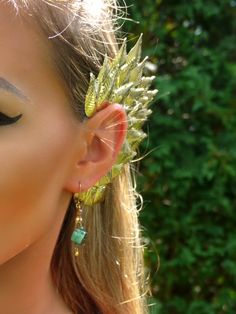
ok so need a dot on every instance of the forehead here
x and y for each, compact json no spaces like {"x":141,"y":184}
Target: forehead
{"x":25,"y":54}
{"x":20,"y":40}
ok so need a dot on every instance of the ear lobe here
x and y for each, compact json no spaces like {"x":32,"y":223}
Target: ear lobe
{"x":105,"y":134}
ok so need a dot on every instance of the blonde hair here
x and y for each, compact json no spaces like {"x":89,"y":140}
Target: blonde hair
{"x":109,"y":274}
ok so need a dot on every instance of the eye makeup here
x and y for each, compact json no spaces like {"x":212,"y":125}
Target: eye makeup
{"x":6,"y":120}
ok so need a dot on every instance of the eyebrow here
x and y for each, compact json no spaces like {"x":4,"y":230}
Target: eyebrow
{"x":9,"y":87}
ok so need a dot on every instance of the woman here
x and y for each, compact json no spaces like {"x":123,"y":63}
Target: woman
{"x":53,"y":155}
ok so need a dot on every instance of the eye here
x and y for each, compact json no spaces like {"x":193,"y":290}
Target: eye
{"x":6,"y":120}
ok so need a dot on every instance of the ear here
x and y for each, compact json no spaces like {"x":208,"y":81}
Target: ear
{"x":104,"y":134}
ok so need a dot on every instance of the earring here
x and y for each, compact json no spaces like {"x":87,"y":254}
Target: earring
{"x":79,"y":234}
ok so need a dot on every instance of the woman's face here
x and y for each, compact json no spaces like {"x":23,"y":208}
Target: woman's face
{"x":38,"y":146}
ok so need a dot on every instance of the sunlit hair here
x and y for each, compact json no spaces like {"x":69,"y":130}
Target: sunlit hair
{"x":109,"y":275}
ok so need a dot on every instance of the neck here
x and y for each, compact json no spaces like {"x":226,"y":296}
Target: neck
{"x":26,"y":285}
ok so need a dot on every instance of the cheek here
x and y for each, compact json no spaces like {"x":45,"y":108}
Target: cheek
{"x":33,"y":168}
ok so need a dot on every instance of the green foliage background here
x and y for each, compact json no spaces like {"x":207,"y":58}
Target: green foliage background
{"x":189,"y":180}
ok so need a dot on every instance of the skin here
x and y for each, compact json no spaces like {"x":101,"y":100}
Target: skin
{"x":44,"y":158}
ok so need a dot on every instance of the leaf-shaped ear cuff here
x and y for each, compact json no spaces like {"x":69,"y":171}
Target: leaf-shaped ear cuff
{"x":120,"y":81}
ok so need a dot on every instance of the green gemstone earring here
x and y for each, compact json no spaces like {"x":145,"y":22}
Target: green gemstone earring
{"x":79,"y":234}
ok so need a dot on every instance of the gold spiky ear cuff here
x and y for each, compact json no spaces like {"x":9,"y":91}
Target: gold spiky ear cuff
{"x":120,"y":81}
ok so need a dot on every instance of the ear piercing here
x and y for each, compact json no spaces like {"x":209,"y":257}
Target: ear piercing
{"x":79,"y":234}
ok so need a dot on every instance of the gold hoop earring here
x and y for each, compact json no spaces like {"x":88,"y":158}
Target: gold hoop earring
{"x":79,"y":234}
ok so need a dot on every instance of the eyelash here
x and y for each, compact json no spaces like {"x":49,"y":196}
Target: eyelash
{"x":6,"y":120}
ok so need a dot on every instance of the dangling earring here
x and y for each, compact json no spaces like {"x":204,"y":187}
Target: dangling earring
{"x":79,"y":234}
